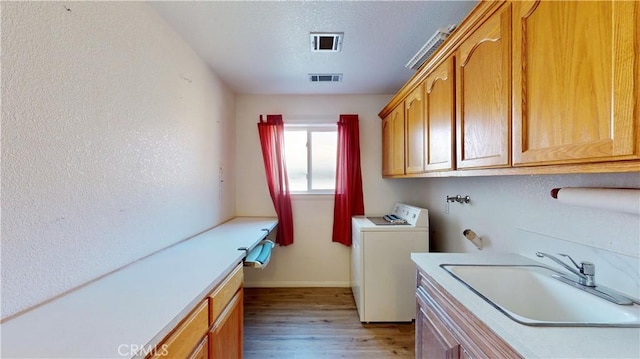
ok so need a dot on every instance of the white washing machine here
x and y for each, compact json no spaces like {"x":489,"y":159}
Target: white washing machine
{"x":382,"y":274}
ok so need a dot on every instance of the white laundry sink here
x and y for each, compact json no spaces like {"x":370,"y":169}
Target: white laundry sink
{"x":530,"y":295}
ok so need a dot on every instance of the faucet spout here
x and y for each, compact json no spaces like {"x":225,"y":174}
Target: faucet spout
{"x":586,"y":281}
{"x":585,"y":272}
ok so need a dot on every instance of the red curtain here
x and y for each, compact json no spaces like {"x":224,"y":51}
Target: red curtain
{"x":348,"y":197}
{"x":272,"y":141}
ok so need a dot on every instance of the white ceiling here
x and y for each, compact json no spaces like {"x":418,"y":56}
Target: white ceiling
{"x":263,"y":47}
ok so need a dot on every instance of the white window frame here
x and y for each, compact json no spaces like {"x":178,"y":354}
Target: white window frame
{"x":310,"y":128}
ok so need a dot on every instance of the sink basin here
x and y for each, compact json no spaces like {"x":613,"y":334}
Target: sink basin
{"x":529,"y":295}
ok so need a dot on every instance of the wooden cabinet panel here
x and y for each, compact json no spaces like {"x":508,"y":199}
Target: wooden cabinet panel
{"x":202,"y":351}
{"x":414,"y":121}
{"x":187,"y":334}
{"x":483,"y":94}
{"x":575,"y":86}
{"x":440,"y":117}
{"x":225,"y":336}
{"x":387,"y":136}
{"x":221,"y":296}
{"x":447,"y":329}
{"x":393,"y":142}
{"x":433,"y":339}
{"x":213,"y":329}
{"x":540,"y":87}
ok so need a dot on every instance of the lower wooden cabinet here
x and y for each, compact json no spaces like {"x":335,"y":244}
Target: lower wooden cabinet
{"x":180,"y":343}
{"x":202,"y":351}
{"x":213,"y":329}
{"x":433,"y":338}
{"x":225,"y":336}
{"x":446,"y":329}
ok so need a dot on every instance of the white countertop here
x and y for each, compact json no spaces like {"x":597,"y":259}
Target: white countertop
{"x":136,"y":305}
{"x":530,"y":342}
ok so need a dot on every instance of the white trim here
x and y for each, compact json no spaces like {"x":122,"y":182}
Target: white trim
{"x":311,"y":119}
{"x":297,"y":284}
{"x":312,"y":196}
{"x":315,"y":126}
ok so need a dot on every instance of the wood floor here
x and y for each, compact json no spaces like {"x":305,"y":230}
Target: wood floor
{"x":317,"y":323}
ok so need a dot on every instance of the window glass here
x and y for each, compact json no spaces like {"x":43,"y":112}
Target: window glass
{"x":323,"y":160}
{"x":295,"y":144}
{"x":311,"y":152}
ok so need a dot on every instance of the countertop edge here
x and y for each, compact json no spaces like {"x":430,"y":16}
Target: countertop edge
{"x":96,"y":319}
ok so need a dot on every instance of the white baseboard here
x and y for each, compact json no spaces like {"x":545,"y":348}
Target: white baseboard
{"x":296,"y":284}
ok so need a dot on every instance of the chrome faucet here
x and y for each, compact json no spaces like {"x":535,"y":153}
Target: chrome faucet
{"x":586,"y":281}
{"x":586,"y":271}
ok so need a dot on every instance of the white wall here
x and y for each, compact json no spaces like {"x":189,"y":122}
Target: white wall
{"x":502,"y":206}
{"x":313,"y":260}
{"x":517,"y":214}
{"x":113,"y":132}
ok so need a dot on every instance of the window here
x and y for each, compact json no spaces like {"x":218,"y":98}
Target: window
{"x":311,"y":152}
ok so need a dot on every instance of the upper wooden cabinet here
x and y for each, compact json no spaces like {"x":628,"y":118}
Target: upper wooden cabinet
{"x":414,"y":122}
{"x":439,"y":117}
{"x":393,"y":142}
{"x":534,"y":86}
{"x":575,"y":87}
{"x":483,"y":94}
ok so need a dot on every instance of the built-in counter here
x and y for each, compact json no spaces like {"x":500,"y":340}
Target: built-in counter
{"x":528,"y":341}
{"x":132,"y":309}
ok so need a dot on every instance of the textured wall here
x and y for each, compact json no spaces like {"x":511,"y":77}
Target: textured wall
{"x":517,"y":214}
{"x":113,"y":134}
{"x":502,"y":206}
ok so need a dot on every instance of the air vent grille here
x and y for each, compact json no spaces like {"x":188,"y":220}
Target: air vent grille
{"x":326,"y":42}
{"x":429,"y":48}
{"x":325,"y":77}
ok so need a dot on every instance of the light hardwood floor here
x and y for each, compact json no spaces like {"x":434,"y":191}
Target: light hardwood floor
{"x":317,"y":323}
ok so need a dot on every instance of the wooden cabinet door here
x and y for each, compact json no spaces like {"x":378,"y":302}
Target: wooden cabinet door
{"x":440,"y":117}
{"x":225,"y":336}
{"x":433,"y":338}
{"x":483,"y":92}
{"x":414,"y":121}
{"x":187,"y":334}
{"x":575,"y":86}
{"x":387,"y":146}
{"x":393,"y":142}
{"x":202,"y":351}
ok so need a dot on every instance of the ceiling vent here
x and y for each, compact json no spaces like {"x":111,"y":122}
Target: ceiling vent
{"x":429,"y":48}
{"x":326,"y":42}
{"x":325,"y":77}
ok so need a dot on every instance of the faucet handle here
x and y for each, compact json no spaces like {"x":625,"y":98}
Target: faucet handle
{"x":572,"y":261}
{"x":587,"y":268}
{"x":589,"y":271}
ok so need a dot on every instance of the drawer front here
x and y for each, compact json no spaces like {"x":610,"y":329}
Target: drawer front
{"x":224,"y":292}
{"x":187,"y":334}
